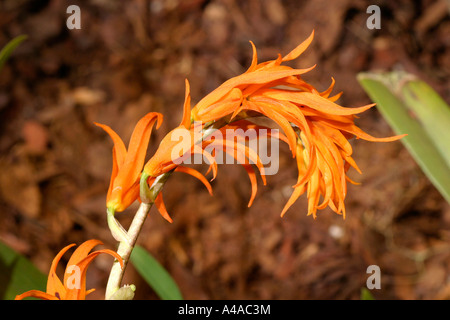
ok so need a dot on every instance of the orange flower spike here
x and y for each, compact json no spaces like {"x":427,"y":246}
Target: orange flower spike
{"x":74,"y":286}
{"x":323,"y":152}
{"x":316,"y":129}
{"x":127,"y":165}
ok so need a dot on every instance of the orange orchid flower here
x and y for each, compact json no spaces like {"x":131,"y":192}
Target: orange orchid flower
{"x":163,"y":160}
{"x":127,"y":164}
{"x":315,"y":127}
{"x":74,"y":285}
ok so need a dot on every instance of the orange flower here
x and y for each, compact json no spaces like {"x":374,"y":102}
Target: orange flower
{"x":127,"y":165}
{"x":74,"y":285}
{"x":316,"y":128}
{"x":163,"y":160}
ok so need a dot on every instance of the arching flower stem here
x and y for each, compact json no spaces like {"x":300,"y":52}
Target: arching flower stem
{"x":148,"y":194}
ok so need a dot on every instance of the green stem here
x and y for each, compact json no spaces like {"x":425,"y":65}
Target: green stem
{"x":126,"y":246}
{"x":125,"y":249}
{"x":117,"y":231}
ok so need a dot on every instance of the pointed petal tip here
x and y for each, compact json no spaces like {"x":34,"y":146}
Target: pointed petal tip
{"x":101,"y":125}
{"x":166,"y":217}
{"x":294,"y":54}
{"x":159,"y":203}
{"x":186,"y":120}
{"x":159,"y":120}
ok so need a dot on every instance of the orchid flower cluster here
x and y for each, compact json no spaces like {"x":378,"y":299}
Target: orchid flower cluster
{"x":316,"y":129}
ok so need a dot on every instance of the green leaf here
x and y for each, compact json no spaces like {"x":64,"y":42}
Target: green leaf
{"x":410,"y":106}
{"x":18,"y":274}
{"x":155,"y":274}
{"x":366,"y":294}
{"x":432,"y":112}
{"x":9,"y":48}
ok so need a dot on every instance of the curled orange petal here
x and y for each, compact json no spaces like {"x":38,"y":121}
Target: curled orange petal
{"x":159,"y":203}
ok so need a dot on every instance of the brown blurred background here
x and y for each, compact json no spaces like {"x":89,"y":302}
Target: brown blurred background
{"x":131,"y":57}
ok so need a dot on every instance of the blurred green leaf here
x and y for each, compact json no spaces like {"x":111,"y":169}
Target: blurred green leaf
{"x":9,"y":48}
{"x":411,"y":106}
{"x":18,"y":274}
{"x":155,"y":274}
{"x":366,"y":294}
{"x":432,"y":111}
